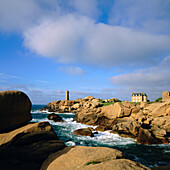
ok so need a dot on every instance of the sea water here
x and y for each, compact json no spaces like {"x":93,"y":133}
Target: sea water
{"x":149,"y":155}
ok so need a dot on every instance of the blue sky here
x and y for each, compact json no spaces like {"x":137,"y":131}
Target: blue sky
{"x":104,"y":48}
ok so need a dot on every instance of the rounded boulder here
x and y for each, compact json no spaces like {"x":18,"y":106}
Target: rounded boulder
{"x":15,"y":108}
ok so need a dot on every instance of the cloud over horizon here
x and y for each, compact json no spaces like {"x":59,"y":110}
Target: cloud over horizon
{"x":151,"y":80}
{"x":88,"y":36}
{"x":72,"y":71}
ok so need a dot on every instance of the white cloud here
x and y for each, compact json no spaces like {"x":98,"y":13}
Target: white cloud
{"x":7,"y":76}
{"x":85,"y":7}
{"x":45,"y":82}
{"x":77,"y":39}
{"x":69,"y":32}
{"x":152,"y":15}
{"x":19,"y":15}
{"x":72,"y":71}
{"x":60,"y":39}
{"x":153,"y":80}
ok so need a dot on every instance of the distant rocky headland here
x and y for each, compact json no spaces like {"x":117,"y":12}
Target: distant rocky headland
{"x":27,"y":145}
{"x":148,"y":123}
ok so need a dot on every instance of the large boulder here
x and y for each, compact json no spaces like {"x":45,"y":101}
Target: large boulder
{"x":126,"y":125}
{"x":157,"y":109}
{"x":15,"y":108}
{"x":89,"y":158}
{"x":28,"y":146}
{"x":75,"y":106}
{"x":162,"y":109}
{"x":158,"y":132}
{"x":95,"y":104}
{"x":162,"y":122}
{"x":116,"y":110}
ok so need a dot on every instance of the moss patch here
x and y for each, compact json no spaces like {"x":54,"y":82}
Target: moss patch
{"x":107,"y":103}
{"x":93,"y":162}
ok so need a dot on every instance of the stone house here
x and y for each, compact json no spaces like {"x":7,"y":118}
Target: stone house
{"x":139,"y":97}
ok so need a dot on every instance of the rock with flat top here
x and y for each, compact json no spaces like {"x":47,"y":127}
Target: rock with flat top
{"x":89,"y":98}
{"x":89,"y":158}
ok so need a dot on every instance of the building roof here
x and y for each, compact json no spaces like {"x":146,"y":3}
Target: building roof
{"x":139,"y":94}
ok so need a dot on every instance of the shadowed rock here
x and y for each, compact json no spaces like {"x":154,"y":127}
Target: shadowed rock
{"x":55,"y":117}
{"x":145,"y":137}
{"x":15,"y":107}
{"x":84,"y":132}
{"x":28,"y":146}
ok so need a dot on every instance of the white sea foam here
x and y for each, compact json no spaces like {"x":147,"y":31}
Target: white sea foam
{"x":33,"y":120}
{"x":40,"y":111}
{"x":65,"y":113}
{"x":39,"y":120}
{"x":101,"y":138}
{"x":70,"y":143}
{"x":167,"y":151}
{"x":35,"y":111}
{"x":111,"y":139}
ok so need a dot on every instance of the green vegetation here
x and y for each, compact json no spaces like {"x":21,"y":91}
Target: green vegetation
{"x":136,"y":103}
{"x":150,"y":102}
{"x":93,"y":162}
{"x":158,"y":99}
{"x":107,"y":103}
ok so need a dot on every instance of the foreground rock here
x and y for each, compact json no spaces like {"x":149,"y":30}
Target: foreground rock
{"x":28,"y":146}
{"x":90,"y":158}
{"x":15,"y":107}
{"x":55,"y":117}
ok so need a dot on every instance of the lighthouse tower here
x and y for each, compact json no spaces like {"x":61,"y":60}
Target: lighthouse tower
{"x":66,"y":97}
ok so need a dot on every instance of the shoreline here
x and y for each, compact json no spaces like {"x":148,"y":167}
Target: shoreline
{"x":147,"y":123}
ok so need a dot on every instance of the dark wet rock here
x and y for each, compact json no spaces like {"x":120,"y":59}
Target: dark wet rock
{"x":84,"y":132}
{"x":55,"y":117}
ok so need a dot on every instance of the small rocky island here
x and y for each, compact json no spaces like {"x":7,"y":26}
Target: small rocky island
{"x":148,"y":123}
{"x":27,"y":145}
